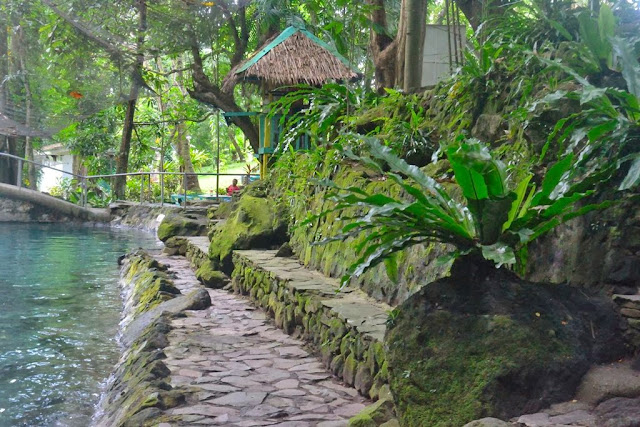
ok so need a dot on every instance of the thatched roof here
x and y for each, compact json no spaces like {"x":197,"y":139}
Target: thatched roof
{"x":296,"y":56}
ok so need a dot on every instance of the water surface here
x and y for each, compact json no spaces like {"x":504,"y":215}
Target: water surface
{"x":59,"y":312}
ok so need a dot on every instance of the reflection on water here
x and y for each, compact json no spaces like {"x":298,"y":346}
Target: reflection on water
{"x":59,"y":312}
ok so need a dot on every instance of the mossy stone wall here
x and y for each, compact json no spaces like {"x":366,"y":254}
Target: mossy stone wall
{"x":291,"y":183}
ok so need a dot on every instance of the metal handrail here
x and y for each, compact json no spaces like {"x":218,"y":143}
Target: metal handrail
{"x":84,"y":178}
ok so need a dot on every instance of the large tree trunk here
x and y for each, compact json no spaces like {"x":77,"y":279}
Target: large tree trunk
{"x":477,"y":11}
{"x":416,"y":16}
{"x":184,"y":152}
{"x":122,"y":160}
{"x":221,"y":97}
{"x":383,"y":46}
{"x":239,"y":154}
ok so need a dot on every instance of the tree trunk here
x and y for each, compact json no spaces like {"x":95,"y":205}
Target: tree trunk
{"x":478,"y":11}
{"x":239,"y":154}
{"x":383,"y":47}
{"x":416,"y":16}
{"x":184,"y":152}
{"x":221,"y":97}
{"x":122,"y":160}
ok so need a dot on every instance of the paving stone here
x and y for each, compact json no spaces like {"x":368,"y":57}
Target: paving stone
{"x":349,"y":410}
{"x":289,"y":392}
{"x":241,"y":371}
{"x":241,"y":382}
{"x":265,"y":411}
{"x":241,"y":398}
{"x":284,"y":384}
{"x":280,"y":402}
{"x":205,"y":410}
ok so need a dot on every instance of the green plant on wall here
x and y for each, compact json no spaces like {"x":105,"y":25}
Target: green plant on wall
{"x":481,"y":213}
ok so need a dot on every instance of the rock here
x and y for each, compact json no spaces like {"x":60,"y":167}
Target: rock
{"x":254,"y":224}
{"x":374,"y":415}
{"x":196,"y":300}
{"x":285,"y":251}
{"x":606,"y":381}
{"x":497,"y":344}
{"x":488,"y":128}
{"x":619,"y":412}
{"x":175,"y":224}
{"x":488,"y":422}
{"x":241,"y":398}
{"x":210,"y":277}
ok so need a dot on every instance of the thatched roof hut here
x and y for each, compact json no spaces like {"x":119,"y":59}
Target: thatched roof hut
{"x":296,"y":56}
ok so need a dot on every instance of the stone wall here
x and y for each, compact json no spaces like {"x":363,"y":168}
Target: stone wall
{"x":347,"y":328}
{"x":139,"y":390}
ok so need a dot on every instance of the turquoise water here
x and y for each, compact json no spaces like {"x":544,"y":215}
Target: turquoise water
{"x":59,"y":313}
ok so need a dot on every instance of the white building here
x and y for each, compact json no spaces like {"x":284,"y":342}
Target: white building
{"x":442,"y":52}
{"x":56,"y":156}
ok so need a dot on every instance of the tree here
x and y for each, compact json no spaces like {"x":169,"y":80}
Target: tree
{"x":122,"y":160}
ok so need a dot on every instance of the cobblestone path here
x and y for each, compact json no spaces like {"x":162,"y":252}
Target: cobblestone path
{"x":246,"y":372}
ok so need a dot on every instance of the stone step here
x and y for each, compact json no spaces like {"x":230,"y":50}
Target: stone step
{"x":346,"y":327}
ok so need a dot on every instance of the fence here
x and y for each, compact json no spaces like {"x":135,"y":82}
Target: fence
{"x":182,"y":199}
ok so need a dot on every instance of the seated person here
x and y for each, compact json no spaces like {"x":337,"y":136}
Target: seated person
{"x":233,"y":187}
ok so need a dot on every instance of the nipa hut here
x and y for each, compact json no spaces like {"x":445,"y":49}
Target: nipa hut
{"x":295,"y":56}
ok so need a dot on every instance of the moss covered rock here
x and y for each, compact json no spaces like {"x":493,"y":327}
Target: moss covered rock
{"x":255,"y":223}
{"x":175,"y":224}
{"x":485,"y":343}
{"x":210,"y":277}
{"x":374,"y":415}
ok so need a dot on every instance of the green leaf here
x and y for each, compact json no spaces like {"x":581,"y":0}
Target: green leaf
{"x":499,"y":253}
{"x":633,"y":175}
{"x":630,"y":67}
{"x":607,"y":27}
{"x":520,"y":193}
{"x":590,"y":34}
{"x":551,"y":180}
{"x":392,"y":268}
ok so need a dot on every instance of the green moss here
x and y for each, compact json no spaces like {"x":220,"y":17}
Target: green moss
{"x":453,"y":358}
{"x":374,"y":415}
{"x":255,"y":223}
{"x":210,"y":277}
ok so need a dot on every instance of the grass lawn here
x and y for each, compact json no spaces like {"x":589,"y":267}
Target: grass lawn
{"x":208,"y":183}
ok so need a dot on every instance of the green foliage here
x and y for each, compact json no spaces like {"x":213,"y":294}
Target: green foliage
{"x":606,"y":129}
{"x":492,"y":218}
{"x":317,"y":112}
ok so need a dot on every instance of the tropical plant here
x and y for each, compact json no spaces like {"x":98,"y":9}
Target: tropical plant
{"x":313,"y":111}
{"x":607,"y":126}
{"x":493,"y":217}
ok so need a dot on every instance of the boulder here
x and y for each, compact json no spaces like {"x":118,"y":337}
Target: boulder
{"x":210,"y":277}
{"x":176,"y":224}
{"x":489,"y":127}
{"x":256,"y":223}
{"x":496,"y":345}
{"x":619,"y":412}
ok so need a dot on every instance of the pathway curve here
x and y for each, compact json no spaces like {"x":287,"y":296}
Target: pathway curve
{"x":246,"y":372}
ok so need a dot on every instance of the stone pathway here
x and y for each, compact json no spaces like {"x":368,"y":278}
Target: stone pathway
{"x":246,"y":372}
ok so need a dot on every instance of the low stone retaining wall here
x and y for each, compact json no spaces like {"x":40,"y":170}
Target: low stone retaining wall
{"x":347,"y":328}
{"x":139,"y":390}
